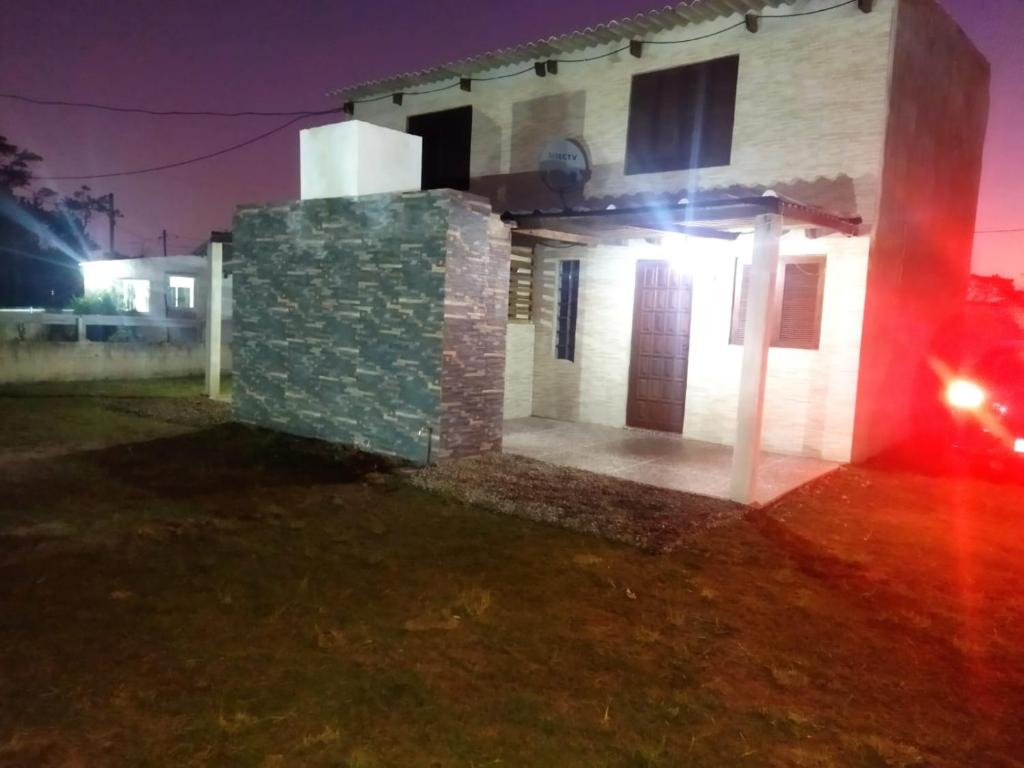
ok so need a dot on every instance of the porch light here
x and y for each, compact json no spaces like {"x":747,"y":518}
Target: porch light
{"x":675,"y":248}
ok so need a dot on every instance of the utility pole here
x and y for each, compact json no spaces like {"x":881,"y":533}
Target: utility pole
{"x":110,"y":216}
{"x":163,"y":236}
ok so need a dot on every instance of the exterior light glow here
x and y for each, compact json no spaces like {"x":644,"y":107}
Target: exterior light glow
{"x":675,"y":248}
{"x":965,"y":395}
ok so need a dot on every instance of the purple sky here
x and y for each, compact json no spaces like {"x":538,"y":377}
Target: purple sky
{"x":285,"y":55}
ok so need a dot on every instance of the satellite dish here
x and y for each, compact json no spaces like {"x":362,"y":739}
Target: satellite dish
{"x":564,"y":167}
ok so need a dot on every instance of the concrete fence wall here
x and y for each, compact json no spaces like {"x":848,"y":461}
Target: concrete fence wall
{"x":27,"y":355}
{"x":34,"y":361}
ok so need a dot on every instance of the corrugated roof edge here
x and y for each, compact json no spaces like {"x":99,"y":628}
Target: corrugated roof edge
{"x":615,"y":31}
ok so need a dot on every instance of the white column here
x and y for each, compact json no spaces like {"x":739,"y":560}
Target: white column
{"x":757,"y":336}
{"x":214,"y":287}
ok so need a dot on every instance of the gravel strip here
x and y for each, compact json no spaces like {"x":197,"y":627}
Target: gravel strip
{"x":653,"y":519}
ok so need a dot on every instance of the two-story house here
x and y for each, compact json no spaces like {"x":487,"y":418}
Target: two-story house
{"x":778,"y":214}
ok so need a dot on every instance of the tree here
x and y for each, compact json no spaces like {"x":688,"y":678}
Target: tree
{"x":43,"y":235}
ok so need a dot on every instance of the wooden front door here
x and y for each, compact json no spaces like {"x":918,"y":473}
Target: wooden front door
{"x":661,"y":347}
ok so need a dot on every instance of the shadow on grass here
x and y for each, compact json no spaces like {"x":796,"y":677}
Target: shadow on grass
{"x":227,"y":456}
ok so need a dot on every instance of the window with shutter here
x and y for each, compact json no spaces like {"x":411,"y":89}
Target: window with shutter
{"x":568,"y":300}
{"x":799,"y":293}
{"x":800,"y":309}
{"x":682,"y":117}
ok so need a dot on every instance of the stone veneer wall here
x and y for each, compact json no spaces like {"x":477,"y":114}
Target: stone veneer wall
{"x":475,"y":311}
{"x":365,"y":321}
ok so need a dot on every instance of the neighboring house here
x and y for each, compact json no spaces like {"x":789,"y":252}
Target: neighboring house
{"x":871,"y":116}
{"x":158,"y":286}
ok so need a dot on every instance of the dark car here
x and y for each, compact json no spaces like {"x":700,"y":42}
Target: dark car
{"x":984,"y":405}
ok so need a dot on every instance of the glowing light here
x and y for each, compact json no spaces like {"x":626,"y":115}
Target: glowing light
{"x":965,"y":395}
{"x":1018,"y":445}
{"x":675,"y":248}
{"x":99,"y":275}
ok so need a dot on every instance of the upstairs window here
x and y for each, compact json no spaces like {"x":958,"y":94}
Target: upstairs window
{"x":568,"y":303}
{"x":799,"y":292}
{"x":446,"y":147}
{"x":520,"y":285}
{"x":682,"y":118}
{"x":181,"y":293}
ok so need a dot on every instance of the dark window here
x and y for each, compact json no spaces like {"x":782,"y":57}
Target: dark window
{"x":682,"y":118}
{"x":446,"y":144}
{"x":796,"y":316}
{"x":568,"y":299}
{"x":520,"y":285}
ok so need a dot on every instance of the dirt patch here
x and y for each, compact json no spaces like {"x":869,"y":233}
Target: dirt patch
{"x":654,"y":519}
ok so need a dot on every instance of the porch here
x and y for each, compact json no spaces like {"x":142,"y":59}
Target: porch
{"x":654,"y":458}
{"x":673,"y":322}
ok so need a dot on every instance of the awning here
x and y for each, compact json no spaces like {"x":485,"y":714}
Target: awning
{"x":722,"y":218}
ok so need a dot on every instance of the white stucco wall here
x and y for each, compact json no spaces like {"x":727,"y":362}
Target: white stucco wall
{"x":519,"y":342}
{"x":811,"y":394}
{"x":357,"y":158}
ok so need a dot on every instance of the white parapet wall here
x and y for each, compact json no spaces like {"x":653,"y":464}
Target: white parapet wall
{"x":519,"y":341}
{"x":356,"y":158}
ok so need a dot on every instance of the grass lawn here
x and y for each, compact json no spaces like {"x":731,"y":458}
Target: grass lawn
{"x":211,"y":595}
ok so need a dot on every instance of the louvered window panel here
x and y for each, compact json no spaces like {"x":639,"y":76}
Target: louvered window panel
{"x":795,"y":320}
{"x":800,"y":312}
{"x":520,"y":285}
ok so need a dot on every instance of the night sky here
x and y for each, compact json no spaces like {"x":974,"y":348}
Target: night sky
{"x":279,"y":55}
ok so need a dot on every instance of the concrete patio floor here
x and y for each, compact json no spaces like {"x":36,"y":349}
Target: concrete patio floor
{"x":654,"y":458}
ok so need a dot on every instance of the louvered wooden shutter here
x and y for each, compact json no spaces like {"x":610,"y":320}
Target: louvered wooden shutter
{"x":800,"y":321}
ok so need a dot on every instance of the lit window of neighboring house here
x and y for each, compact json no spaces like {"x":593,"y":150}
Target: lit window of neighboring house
{"x":134,"y":295}
{"x":182,"y":293}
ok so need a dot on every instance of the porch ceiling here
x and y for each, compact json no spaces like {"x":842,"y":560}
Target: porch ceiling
{"x":723,"y":218}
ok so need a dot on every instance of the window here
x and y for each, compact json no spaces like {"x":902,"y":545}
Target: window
{"x":446,"y":145}
{"x":133,"y":295}
{"x":796,"y":316}
{"x":682,"y":118}
{"x":181,"y":292}
{"x":568,"y":300}
{"x":520,"y":285}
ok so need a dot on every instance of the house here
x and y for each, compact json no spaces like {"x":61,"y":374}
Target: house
{"x":737,"y":223}
{"x":173,"y":286}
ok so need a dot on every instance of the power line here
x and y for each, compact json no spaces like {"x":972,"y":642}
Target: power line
{"x":157,"y":112}
{"x":296,"y":116}
{"x":998,"y":231}
{"x":616,"y":51}
{"x":192,"y":160}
